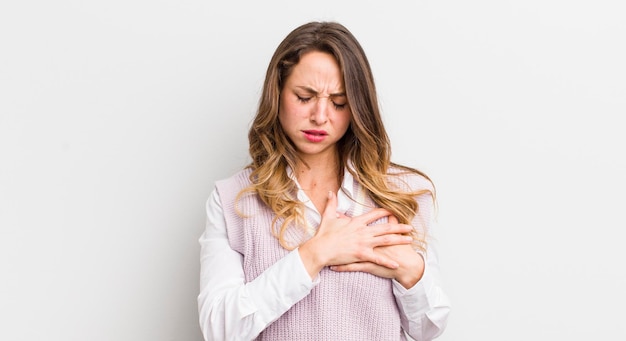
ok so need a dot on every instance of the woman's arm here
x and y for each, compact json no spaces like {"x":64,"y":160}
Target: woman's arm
{"x":424,"y":306}
{"x":231,"y":309}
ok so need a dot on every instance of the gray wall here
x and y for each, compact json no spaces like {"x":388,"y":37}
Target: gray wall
{"x":116,"y":118}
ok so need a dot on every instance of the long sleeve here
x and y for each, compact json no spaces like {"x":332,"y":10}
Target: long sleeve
{"x":232,"y":309}
{"x":229,"y":308}
{"x":424,"y":308}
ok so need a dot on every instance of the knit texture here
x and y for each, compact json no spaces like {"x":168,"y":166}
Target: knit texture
{"x":343,"y":306}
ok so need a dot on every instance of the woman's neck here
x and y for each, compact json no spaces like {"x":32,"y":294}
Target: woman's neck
{"x":317,"y":169}
{"x":318,"y":177}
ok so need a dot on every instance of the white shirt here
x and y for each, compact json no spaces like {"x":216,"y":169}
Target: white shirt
{"x":231,"y":309}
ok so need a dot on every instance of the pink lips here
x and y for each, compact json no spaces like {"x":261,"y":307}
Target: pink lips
{"x":315,"y":135}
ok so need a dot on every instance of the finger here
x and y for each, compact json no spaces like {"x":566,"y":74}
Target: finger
{"x":386,"y":262}
{"x":392,"y":219}
{"x":341,"y":215}
{"x":373,"y":215}
{"x":391,"y":239}
{"x":366,"y":267}
{"x":330,"y":211}
{"x":360,"y":266}
{"x":383,"y":229}
{"x":378,"y":259}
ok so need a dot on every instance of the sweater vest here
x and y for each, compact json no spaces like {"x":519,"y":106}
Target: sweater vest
{"x":343,"y":306}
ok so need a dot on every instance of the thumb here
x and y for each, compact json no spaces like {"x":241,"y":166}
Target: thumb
{"x":330,"y":211}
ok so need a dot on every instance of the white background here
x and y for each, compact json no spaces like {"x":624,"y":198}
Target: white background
{"x":116,"y":118}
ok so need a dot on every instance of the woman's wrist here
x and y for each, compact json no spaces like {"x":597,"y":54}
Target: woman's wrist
{"x":310,"y":258}
{"x":411,"y":273}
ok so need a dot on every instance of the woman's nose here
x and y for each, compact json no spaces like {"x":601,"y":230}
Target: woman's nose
{"x":319,"y":114}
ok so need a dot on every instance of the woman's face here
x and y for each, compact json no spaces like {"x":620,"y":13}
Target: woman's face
{"x":314,"y":111}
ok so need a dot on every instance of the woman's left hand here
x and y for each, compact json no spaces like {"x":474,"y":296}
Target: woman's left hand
{"x":407,"y":274}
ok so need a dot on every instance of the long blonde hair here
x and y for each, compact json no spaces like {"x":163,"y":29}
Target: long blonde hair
{"x":365,"y":145}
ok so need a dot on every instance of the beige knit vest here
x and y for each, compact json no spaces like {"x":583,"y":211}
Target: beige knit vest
{"x":343,"y":306}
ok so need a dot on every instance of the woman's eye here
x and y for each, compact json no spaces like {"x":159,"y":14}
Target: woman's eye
{"x":339,"y":106}
{"x":303,"y":99}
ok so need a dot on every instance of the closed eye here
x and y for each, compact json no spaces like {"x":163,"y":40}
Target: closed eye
{"x":340,"y":106}
{"x":336,"y":105}
{"x":303,"y":99}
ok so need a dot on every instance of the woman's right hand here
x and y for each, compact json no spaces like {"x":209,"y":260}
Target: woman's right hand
{"x":342,"y":240}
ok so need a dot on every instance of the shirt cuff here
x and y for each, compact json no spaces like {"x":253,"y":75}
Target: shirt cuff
{"x":413,"y":299}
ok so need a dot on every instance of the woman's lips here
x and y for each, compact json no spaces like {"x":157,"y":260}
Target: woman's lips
{"x":315,"y":135}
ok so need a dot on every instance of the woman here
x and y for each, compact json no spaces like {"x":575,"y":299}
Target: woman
{"x":321,"y":237}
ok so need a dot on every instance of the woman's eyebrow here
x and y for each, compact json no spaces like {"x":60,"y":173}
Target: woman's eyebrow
{"x":314,"y":92}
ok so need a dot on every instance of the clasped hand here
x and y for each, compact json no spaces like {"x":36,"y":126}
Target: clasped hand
{"x":350,"y":244}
